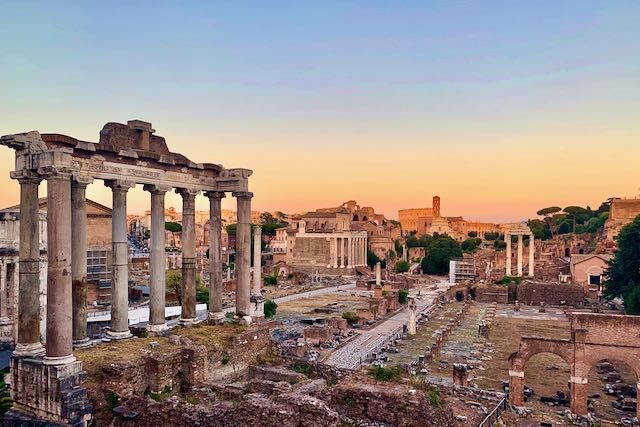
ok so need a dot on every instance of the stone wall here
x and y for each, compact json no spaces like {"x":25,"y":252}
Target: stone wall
{"x":311,"y":251}
{"x":492,"y":293}
{"x":550,"y":293}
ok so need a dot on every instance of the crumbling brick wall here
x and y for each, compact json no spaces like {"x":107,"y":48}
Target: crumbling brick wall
{"x":492,"y":293}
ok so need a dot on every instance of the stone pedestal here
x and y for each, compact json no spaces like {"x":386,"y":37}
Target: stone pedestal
{"x":257,"y":306}
{"x":47,"y":392}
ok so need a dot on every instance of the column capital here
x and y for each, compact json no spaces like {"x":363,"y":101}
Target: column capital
{"x":81,"y":180}
{"x":215,"y":194}
{"x":119,"y":185}
{"x":242,"y":194}
{"x":55,"y":172}
{"x":187,"y":193}
{"x":157,"y":189}
{"x":26,"y":177}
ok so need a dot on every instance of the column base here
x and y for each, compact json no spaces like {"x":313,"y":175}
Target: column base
{"x":58,"y":361}
{"x":113,"y":335}
{"x":158,"y":328}
{"x":83,"y":343}
{"x":46,"y":394}
{"x":29,"y":350}
{"x":217,"y":318}
{"x":188,"y":321}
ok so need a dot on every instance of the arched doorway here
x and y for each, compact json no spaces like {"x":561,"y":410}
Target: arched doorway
{"x":459,"y":296}
{"x":546,"y":377}
{"x":356,"y":217}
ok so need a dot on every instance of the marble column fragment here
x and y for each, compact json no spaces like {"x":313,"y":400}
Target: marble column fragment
{"x":243,"y":255}
{"x":28,"y":343}
{"x":188,"y":316}
{"x":520,"y":245}
{"x":216,"y":287}
{"x":257,"y":300}
{"x":59,"y":346}
{"x":507,"y":239}
{"x":157,"y":288}
{"x":120,"y":274}
{"x":79,"y":259}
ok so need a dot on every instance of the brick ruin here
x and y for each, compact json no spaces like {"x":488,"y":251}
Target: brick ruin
{"x":594,"y":337}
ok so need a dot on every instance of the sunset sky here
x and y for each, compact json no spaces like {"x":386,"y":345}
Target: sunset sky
{"x":500,"y":108}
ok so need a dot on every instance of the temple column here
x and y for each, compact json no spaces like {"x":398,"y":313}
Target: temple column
{"x":157,"y":264}
{"x":520,"y":245}
{"x":532,"y":252}
{"x":216,"y":286}
{"x":257,"y":300}
{"x":79,"y":259}
{"x":59,"y":346}
{"x":188,"y":315}
{"x":507,"y":240}
{"x":334,"y":246}
{"x":341,"y":251}
{"x":120,"y":275}
{"x":350,"y":253}
{"x":28,"y":316}
{"x":243,"y":255}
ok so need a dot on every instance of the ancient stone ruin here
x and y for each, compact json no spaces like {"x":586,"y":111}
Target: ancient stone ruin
{"x":46,"y":380}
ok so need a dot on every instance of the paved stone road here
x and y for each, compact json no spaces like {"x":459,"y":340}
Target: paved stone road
{"x":352,"y":354}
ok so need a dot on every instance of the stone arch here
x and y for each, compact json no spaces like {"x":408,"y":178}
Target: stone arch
{"x":356,"y":217}
{"x":364,"y":218}
{"x":529,"y":347}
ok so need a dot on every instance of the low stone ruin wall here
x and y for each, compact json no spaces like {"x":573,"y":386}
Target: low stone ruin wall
{"x":550,"y":294}
{"x":492,"y":293}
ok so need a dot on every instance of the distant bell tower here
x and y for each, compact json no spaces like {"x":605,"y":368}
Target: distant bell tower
{"x":436,"y":206}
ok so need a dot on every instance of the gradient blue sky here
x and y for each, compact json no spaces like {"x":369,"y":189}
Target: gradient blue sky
{"x":501,"y":108}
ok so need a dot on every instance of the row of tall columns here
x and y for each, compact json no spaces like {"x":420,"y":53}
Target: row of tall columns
{"x":508,"y":270}
{"x":348,"y":252}
{"x":66,"y":323}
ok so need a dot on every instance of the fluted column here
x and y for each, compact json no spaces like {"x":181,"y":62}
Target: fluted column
{"x":342,"y":258}
{"x":507,"y":240}
{"x":215,"y":256}
{"x":531,"y":255}
{"x":79,"y":259}
{"x":120,"y":275}
{"x":28,"y":317}
{"x":350,"y":252}
{"x":188,"y":237}
{"x":157,"y":264}
{"x":520,"y":245}
{"x":243,"y":254}
{"x":59,"y":346}
{"x":334,"y":245}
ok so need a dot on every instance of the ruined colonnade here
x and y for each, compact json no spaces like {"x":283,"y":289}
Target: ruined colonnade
{"x":348,"y":251}
{"x":520,"y":231}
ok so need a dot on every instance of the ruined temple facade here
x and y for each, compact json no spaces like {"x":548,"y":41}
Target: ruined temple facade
{"x":46,"y":380}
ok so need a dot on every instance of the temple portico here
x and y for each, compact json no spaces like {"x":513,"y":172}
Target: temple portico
{"x":125,"y":156}
{"x":519,"y":230}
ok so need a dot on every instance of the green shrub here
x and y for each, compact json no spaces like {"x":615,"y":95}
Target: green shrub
{"x":508,"y":279}
{"x":270,"y":280}
{"x":301,"y":368}
{"x":434,"y":398}
{"x":350,"y":317}
{"x":402,"y":296}
{"x":225,"y":360}
{"x":385,"y":374}
{"x":161,"y":396}
{"x":270,"y":308}
{"x":112,"y":399}
{"x":191,"y":400}
{"x":402,"y":266}
{"x":349,"y":401}
{"x":5,"y":397}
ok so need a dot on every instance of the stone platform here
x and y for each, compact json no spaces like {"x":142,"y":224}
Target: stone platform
{"x":47,"y":392}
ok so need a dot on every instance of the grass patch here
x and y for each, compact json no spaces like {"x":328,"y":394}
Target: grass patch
{"x":112,"y":399}
{"x":434,"y":398}
{"x":192,"y":400}
{"x":385,"y":374}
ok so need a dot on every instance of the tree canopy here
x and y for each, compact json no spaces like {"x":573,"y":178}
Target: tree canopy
{"x":623,"y":272}
{"x":441,"y":250}
{"x":572,"y":219}
{"x":402,"y":266}
{"x":174,"y":227}
{"x":471,"y":245}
